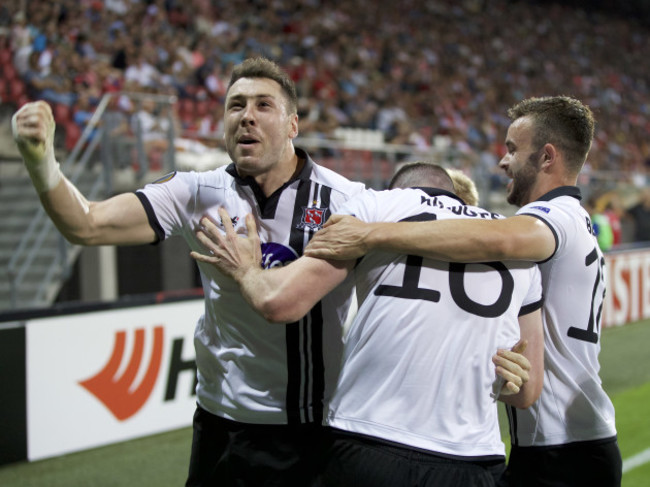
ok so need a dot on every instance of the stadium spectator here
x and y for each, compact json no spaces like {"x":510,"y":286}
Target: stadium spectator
{"x":555,"y":441}
{"x":372,"y":437}
{"x":144,"y":74}
{"x":57,"y":86}
{"x":34,"y":79}
{"x":154,"y":124}
{"x":613,"y":211}
{"x":600,"y":224}
{"x":83,"y":113}
{"x":216,"y":82}
{"x":640,"y":215}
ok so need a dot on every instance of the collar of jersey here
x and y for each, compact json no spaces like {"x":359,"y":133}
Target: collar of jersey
{"x":572,"y":191}
{"x":304,"y":173}
{"x":439,"y":192}
{"x":268,"y":205}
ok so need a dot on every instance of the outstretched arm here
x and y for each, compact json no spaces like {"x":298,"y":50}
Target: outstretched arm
{"x":118,"y":220}
{"x":456,"y":240}
{"x":280,"y":295}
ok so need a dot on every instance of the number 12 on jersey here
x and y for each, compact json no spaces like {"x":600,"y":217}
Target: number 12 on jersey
{"x":589,"y":335}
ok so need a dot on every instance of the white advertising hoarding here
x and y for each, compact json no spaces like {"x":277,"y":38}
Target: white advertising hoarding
{"x":628,"y":287}
{"x":102,"y":377}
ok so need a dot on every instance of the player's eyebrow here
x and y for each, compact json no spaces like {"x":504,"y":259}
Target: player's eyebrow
{"x":241,"y":97}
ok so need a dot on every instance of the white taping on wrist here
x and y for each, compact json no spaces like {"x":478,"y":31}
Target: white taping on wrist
{"x":45,"y":176}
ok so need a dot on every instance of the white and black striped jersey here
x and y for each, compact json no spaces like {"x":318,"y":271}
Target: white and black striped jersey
{"x":249,"y":370}
{"x":573,"y":405}
{"x":417,"y":364}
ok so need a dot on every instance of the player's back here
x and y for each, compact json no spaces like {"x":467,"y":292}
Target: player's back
{"x":417,"y":364}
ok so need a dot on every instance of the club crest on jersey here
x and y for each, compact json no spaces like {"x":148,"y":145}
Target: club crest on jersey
{"x":312,"y":218}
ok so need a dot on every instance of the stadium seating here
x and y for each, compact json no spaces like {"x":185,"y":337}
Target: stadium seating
{"x":62,"y":113}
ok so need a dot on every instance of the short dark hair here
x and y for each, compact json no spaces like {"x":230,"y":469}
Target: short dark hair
{"x":562,"y":121}
{"x":422,"y":174}
{"x":265,"y":68}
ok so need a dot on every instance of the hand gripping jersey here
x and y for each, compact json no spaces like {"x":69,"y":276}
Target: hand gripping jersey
{"x":417,"y":361}
{"x":249,"y":370}
{"x":573,"y":405}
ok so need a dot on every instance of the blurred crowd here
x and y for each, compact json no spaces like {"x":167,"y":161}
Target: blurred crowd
{"x":414,"y":69}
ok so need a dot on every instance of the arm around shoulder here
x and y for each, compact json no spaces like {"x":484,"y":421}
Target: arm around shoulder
{"x":520,"y":237}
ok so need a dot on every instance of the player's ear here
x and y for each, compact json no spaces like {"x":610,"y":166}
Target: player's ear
{"x":293,"y":131}
{"x":548,"y":156}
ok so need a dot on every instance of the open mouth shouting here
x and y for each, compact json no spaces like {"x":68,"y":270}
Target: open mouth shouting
{"x":247,"y":141}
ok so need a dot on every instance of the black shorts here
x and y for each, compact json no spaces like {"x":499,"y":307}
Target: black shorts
{"x":227,"y":453}
{"x":360,"y":461}
{"x":586,"y":463}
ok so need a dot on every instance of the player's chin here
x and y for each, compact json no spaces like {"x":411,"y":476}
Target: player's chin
{"x":249,"y":166}
{"x":512,"y":196}
{"x":248,"y":152}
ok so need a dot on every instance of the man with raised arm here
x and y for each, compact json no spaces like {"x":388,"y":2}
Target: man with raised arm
{"x":568,"y":437}
{"x":413,"y":405}
{"x":261,"y":389}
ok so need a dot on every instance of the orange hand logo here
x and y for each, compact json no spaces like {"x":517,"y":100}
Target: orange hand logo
{"x":115,"y":392}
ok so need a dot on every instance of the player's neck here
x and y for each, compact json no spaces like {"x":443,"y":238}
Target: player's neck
{"x":284,"y":171}
{"x":549,"y":182}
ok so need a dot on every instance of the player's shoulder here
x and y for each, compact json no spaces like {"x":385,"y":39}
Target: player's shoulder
{"x":567,"y":219}
{"x":561,"y":205}
{"x":214,"y":175}
{"x":217,"y":178}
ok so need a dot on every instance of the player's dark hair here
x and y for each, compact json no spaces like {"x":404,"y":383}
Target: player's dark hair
{"x":264,"y":68}
{"x":422,"y":174}
{"x":562,"y":121}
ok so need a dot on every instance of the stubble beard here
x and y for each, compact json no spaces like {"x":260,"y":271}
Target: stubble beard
{"x":523,"y":182}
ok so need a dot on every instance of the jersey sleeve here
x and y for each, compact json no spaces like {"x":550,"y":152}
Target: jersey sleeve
{"x":169,"y":202}
{"x":554,"y":218}
{"x":535,"y":298}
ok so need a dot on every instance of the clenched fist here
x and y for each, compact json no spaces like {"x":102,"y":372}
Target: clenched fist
{"x":33,"y":130}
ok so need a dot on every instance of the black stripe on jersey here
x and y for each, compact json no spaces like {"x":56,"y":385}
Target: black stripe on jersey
{"x":151,"y":216}
{"x":325,"y":193}
{"x":548,"y":224}
{"x":512,"y":421}
{"x":300,"y":381}
{"x":318,"y":363}
{"x":572,"y":191}
{"x":421,"y":217}
{"x":529,"y":308}
{"x":292,"y":337}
